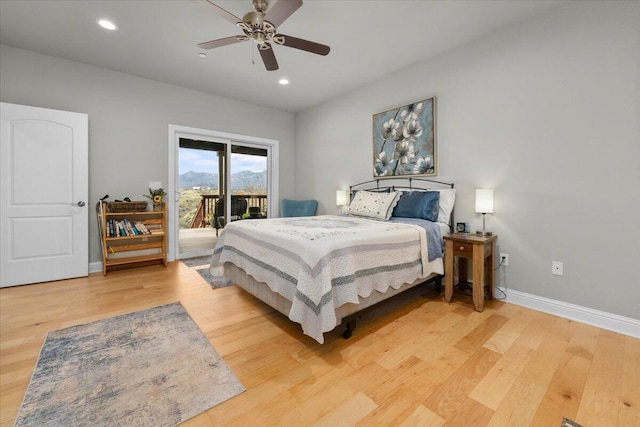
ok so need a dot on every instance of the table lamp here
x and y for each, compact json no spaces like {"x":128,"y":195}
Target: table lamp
{"x":484,"y":205}
{"x":342,"y":198}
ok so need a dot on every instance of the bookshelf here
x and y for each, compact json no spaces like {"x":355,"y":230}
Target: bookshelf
{"x":132,"y":237}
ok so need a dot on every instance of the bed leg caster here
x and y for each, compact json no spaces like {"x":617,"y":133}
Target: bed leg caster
{"x":348,"y":331}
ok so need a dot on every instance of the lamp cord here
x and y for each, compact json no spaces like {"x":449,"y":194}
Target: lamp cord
{"x":504,"y":295}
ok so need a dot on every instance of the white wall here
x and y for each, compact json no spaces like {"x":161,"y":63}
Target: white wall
{"x":546,"y":112}
{"x":128,"y":121}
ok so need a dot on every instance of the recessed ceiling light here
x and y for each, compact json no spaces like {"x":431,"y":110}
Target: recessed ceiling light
{"x":202,"y":55}
{"x":283,"y":81}
{"x":107,"y":25}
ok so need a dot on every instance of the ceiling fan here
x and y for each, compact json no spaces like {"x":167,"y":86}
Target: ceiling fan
{"x":260,"y":26}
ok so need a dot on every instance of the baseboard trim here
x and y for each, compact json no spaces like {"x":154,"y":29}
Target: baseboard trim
{"x":601,"y":319}
{"x":95,"y":267}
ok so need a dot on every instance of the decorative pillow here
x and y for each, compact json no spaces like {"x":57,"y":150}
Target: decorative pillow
{"x":447,"y":199}
{"x":373,"y":205}
{"x":418,"y":204}
{"x":374,"y":190}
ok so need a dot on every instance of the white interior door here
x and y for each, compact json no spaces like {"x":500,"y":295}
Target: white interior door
{"x":43,"y":195}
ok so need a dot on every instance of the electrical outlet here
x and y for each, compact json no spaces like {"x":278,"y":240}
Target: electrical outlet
{"x":505,"y":259}
{"x":556,"y":268}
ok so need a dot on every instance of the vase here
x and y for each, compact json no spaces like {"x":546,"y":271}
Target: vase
{"x":157,"y":207}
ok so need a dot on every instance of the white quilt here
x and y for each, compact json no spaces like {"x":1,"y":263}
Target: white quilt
{"x":322,"y":262}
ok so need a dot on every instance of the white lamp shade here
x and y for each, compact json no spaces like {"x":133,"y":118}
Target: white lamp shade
{"x":484,"y":200}
{"x":342,"y":197}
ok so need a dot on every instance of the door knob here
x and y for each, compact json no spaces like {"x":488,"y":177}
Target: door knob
{"x":81,"y":203}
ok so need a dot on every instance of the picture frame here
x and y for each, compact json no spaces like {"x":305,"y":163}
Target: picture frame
{"x":404,"y":140}
{"x":462,"y":227}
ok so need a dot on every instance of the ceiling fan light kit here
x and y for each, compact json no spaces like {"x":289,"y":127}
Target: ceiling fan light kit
{"x":261,"y":27}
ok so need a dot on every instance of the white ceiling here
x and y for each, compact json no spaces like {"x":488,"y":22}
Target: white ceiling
{"x":158,"y":40}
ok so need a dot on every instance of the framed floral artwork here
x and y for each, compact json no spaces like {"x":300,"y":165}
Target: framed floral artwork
{"x":404,"y":140}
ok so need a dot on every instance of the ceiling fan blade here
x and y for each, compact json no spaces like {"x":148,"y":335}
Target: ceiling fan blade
{"x":269,"y":58}
{"x":281,"y":10}
{"x":225,"y":14}
{"x":222,"y":42}
{"x":317,"y":48}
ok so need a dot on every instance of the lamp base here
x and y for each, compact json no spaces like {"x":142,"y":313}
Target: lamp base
{"x":484,"y":233}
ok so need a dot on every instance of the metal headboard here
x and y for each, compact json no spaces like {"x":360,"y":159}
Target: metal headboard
{"x":406,"y":183}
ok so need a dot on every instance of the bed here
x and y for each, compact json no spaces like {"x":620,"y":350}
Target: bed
{"x":322,"y":271}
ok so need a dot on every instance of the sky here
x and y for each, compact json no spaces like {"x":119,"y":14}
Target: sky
{"x":192,"y":160}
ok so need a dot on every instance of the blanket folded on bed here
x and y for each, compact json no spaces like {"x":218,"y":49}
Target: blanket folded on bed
{"x":320,"y":263}
{"x":434,"y":237}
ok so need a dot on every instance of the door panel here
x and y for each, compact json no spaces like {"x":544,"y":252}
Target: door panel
{"x":24,"y":231}
{"x":51,"y":159}
{"x":43,"y":195}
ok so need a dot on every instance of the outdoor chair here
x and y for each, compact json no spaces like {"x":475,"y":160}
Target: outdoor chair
{"x":238,"y":208}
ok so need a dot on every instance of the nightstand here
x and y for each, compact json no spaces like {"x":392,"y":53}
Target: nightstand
{"x":481,"y":250}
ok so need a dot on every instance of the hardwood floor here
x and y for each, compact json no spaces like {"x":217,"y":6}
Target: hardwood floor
{"x":414,"y":362}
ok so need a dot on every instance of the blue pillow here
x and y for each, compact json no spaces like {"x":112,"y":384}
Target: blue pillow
{"x":418,"y":204}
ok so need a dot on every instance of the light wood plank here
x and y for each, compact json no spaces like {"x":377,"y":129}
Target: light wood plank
{"x":519,"y":404}
{"x":349,"y":413}
{"x":564,"y":392}
{"x":392,"y":411}
{"x":417,"y":361}
{"x":470,"y":413}
{"x":629,"y":409}
{"x":495,"y":385}
{"x":601,"y":400}
{"x":448,"y":398}
{"x":502,"y":340}
{"x":423,"y":417}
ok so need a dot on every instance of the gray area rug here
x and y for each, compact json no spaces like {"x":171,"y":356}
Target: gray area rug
{"x":214,"y":281}
{"x":201,"y":260}
{"x":149,"y":368}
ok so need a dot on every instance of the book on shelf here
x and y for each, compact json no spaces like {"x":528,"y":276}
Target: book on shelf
{"x":128,"y":227}
{"x":143,"y":229}
{"x":124,"y":227}
{"x":154,"y":226}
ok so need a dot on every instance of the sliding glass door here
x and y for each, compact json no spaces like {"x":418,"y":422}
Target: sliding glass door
{"x":218,"y":182}
{"x":248,"y":181}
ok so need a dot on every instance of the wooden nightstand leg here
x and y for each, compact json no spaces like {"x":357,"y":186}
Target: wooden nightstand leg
{"x":478,"y":277}
{"x":492,"y":271}
{"x":448,"y":271}
{"x":489,"y":272}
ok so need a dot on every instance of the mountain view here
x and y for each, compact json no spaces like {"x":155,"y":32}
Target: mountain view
{"x":243,"y":180}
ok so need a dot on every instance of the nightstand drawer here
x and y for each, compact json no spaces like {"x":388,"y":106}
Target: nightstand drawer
{"x":464,"y":250}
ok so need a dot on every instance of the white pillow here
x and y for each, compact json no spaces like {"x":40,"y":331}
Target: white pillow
{"x":374,"y":205}
{"x":447,"y":199}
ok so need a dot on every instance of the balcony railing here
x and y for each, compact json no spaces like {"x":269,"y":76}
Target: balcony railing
{"x":207,"y":207}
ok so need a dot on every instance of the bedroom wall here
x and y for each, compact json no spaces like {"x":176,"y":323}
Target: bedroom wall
{"x":546,"y":112}
{"x":128,"y":121}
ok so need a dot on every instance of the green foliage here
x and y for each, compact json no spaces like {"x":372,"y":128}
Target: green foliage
{"x":189,"y":202}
